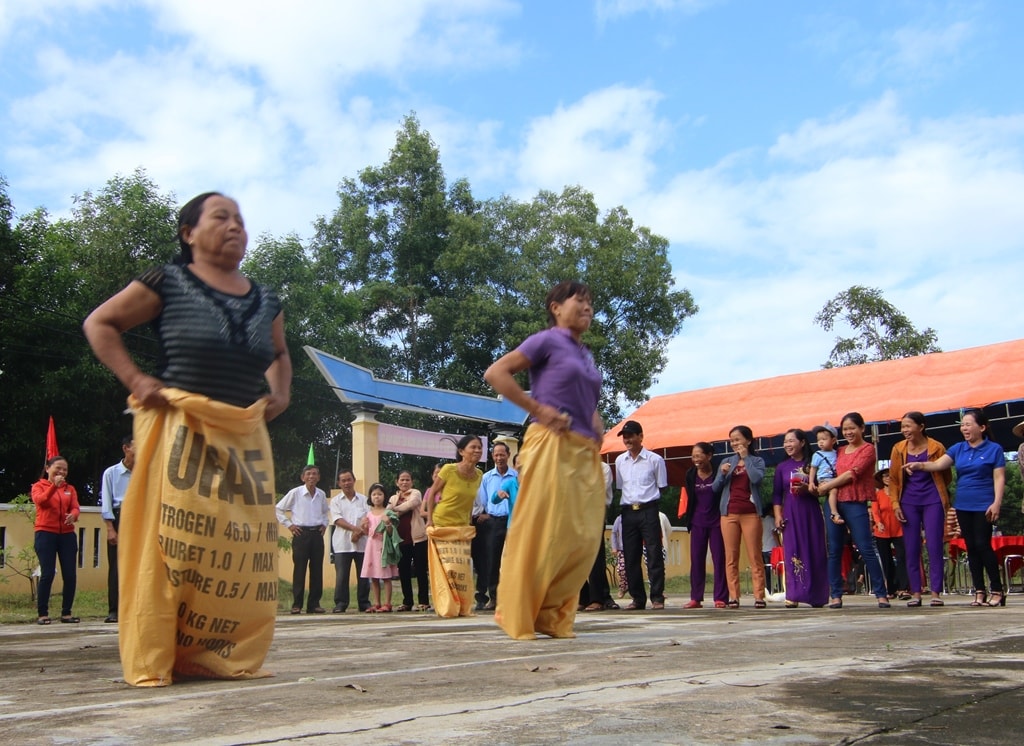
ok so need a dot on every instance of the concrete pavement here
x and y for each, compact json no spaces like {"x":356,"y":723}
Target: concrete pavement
{"x":861,"y":675}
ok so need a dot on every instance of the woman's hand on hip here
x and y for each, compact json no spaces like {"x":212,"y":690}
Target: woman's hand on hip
{"x":149,"y":391}
{"x":552,"y":418}
{"x":276,"y":404}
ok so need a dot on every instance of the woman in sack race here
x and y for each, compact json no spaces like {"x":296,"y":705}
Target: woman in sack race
{"x":224,"y":372}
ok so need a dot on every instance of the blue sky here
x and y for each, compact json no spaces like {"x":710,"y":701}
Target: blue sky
{"x":787,"y":150}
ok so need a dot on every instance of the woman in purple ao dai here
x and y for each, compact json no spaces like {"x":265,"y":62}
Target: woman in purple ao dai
{"x":801,"y":525}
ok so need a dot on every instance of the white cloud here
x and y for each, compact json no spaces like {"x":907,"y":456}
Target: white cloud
{"x":918,"y":49}
{"x":14,"y":13}
{"x":306,"y":47}
{"x":197,"y":114}
{"x":605,"y":142}
{"x":927,"y":211}
{"x":609,"y":10}
{"x":913,"y":52}
{"x":872,"y":129}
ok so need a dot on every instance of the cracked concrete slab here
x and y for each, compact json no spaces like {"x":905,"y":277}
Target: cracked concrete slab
{"x":859,"y":675}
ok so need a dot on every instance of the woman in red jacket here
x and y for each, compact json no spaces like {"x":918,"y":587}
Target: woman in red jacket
{"x":56,"y":514}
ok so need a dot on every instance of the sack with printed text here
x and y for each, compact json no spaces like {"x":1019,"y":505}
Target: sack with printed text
{"x":450,"y":568}
{"x":197,"y":543}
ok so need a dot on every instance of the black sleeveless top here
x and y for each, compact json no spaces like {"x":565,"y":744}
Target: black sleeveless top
{"x":212,"y":343}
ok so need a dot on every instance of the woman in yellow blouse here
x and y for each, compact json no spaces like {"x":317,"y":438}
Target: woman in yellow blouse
{"x":457,"y":485}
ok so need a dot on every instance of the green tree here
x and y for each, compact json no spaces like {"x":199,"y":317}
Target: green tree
{"x":636,"y":307}
{"x":69,"y":266}
{"x":880,"y":330}
{"x":1011,"y":520}
{"x":382,"y":242}
{"x":448,"y":284}
{"x":320,"y":312}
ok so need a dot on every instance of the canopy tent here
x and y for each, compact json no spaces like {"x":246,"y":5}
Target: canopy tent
{"x":939,"y":384}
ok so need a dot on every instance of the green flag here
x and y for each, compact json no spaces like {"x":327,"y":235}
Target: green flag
{"x":309,"y":459}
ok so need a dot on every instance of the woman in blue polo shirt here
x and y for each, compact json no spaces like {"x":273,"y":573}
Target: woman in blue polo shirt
{"x":980,"y":480}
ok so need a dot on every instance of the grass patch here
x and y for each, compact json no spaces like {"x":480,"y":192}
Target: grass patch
{"x":19,"y":608}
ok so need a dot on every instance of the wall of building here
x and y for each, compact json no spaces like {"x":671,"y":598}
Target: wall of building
{"x":16,"y":531}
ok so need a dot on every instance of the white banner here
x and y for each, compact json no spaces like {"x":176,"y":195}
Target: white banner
{"x":396,"y":439}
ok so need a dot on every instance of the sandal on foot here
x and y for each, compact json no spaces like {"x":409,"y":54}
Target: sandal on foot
{"x":914,"y":602}
{"x":997,"y":598}
{"x":792,"y":604}
{"x":837,"y":604}
{"x":403,"y":607}
{"x":979,"y":599}
{"x":44,"y":620}
{"x":760,"y":604}
{"x":936,"y":602}
{"x":296,"y":610}
{"x":693,"y":605}
{"x":732,"y":603}
{"x":596,"y":606}
{"x":69,"y":620}
{"x":372,"y":610}
{"x":720,"y":604}
{"x":634,"y":606}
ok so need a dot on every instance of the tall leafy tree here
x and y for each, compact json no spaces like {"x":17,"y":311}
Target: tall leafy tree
{"x":320,"y":312}
{"x":529,"y":247}
{"x":449,"y":283}
{"x":880,"y":330}
{"x":68,"y":267}
{"x":384,"y":238}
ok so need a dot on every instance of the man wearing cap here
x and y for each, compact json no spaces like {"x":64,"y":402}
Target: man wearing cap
{"x":641,"y":476}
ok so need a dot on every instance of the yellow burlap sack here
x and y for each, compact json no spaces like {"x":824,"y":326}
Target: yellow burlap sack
{"x":451,"y":571}
{"x":553,"y":539}
{"x":198,"y":543}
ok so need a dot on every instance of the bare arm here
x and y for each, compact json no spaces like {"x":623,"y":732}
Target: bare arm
{"x":501,"y":377}
{"x":131,"y":307}
{"x":279,"y":374}
{"x":942,"y":462}
{"x":999,"y":482}
{"x":598,"y":425}
{"x":435,"y":489}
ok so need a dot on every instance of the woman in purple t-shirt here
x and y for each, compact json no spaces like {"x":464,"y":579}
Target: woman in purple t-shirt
{"x":560,"y":509}
{"x":920,"y":500}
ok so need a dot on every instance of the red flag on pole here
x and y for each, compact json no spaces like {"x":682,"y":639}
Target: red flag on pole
{"x":51,"y":442}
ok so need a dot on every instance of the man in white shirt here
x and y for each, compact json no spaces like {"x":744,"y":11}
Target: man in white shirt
{"x":112,"y":490}
{"x":303,"y":511}
{"x":641,"y":475}
{"x":348,"y":543}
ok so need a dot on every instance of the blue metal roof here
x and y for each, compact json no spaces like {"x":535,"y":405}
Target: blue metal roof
{"x":356,"y":385}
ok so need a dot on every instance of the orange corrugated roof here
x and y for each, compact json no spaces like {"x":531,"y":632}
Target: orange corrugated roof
{"x":881,"y":392}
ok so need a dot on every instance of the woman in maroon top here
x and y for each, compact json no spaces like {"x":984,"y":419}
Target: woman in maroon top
{"x":738,"y":483}
{"x":855,"y":480}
